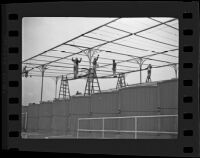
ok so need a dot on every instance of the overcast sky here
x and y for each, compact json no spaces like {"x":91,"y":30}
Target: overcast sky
{"x":40,"y":34}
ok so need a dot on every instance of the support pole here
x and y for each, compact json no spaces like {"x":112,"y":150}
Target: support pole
{"x":42,"y":86}
{"x":89,"y":53}
{"x":42,"y":69}
{"x":56,"y":86}
{"x":140,"y":73}
{"x":140,"y":62}
{"x":89,"y":83}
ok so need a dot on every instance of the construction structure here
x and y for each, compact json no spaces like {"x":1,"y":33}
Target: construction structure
{"x":64,"y":92}
{"x":133,"y":49}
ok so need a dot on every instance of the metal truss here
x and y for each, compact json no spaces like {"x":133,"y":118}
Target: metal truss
{"x":112,"y":38}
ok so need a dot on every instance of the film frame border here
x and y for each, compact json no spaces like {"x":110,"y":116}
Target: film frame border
{"x":188,"y":137}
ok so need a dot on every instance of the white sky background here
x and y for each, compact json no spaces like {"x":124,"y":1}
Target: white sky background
{"x":40,"y":34}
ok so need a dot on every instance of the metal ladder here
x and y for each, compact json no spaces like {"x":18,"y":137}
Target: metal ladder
{"x":64,"y":88}
{"x":92,"y":84}
{"x":121,"y":81}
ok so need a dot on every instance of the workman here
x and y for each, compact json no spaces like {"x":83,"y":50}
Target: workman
{"x":114,"y":68}
{"x":95,"y":64}
{"x":149,"y":73}
{"x":76,"y":63}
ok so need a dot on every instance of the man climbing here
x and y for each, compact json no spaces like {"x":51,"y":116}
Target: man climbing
{"x":95,"y":64}
{"x":149,"y":73}
{"x":76,"y":63}
{"x":114,"y":68}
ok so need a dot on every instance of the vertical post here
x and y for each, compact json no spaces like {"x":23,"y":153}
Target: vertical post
{"x":135,"y":127}
{"x":89,"y":53}
{"x":90,"y":58}
{"x":56,"y":86}
{"x":159,"y":108}
{"x":90,"y":61}
{"x":140,"y":62}
{"x":77,"y":136}
{"x":89,"y":83}
{"x":103,"y":127}
{"x":140,"y":73}
{"x":42,"y":86}
{"x":43,"y":68}
{"x":25,"y":126}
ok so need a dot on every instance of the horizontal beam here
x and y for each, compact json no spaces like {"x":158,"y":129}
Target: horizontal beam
{"x":72,"y":39}
{"x":163,"y":23}
{"x":155,"y":26}
{"x":136,"y":34}
{"x":118,"y":43}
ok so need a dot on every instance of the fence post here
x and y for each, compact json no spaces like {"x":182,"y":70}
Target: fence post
{"x":103,"y":128}
{"x":77,"y":129}
{"x":26,"y":118}
{"x":135,"y":127}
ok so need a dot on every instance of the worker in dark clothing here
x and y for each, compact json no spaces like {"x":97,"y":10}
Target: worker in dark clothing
{"x":25,"y":71}
{"x":114,"y":68}
{"x":149,"y":73}
{"x":95,"y":64}
{"x":76,"y":63}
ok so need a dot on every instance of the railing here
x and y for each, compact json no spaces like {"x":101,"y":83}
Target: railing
{"x":135,"y":131}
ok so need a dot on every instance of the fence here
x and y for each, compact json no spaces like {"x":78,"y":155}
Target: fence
{"x":135,"y":130}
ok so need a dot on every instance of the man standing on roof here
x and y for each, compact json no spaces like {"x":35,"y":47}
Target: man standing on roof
{"x":114,"y":68}
{"x":95,"y":64}
{"x":76,"y":63}
{"x":149,"y":73}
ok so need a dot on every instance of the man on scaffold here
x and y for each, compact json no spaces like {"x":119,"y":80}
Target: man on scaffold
{"x":149,"y":73}
{"x":114,"y":68}
{"x":95,"y":65}
{"x":76,"y":64}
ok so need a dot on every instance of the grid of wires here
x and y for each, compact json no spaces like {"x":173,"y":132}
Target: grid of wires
{"x":125,"y":40}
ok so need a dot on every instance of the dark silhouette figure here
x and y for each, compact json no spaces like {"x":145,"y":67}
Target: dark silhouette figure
{"x":114,"y":68}
{"x":149,"y":73}
{"x":95,"y":64}
{"x":76,"y":63}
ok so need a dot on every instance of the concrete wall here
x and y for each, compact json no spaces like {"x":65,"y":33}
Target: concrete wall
{"x":80,"y":105}
{"x":32,"y":117}
{"x":103,"y":103}
{"x":168,"y":93}
{"x":61,"y":116}
{"x":139,"y":98}
{"x":44,"y":124}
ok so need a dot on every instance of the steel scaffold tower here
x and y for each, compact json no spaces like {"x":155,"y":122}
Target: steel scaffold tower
{"x":92,"y":83}
{"x":64,"y":88}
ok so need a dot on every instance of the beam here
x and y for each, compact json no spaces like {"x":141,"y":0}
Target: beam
{"x":156,"y":41}
{"x":163,"y":23}
{"x":86,"y":50}
{"x":118,"y":43}
{"x":155,"y":26}
{"x":136,"y":34}
{"x":163,"y":53}
{"x":72,"y":39}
